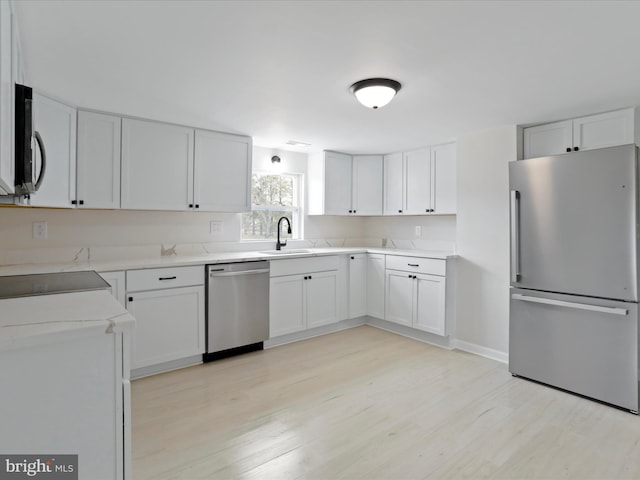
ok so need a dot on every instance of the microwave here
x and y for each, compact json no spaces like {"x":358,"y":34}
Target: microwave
{"x":25,"y":181}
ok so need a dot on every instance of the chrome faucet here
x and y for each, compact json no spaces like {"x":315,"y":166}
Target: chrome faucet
{"x":280,"y":244}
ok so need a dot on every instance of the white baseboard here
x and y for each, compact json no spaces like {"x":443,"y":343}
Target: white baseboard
{"x":497,"y":355}
{"x":314,"y":332}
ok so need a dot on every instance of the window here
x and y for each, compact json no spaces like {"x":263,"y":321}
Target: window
{"x":272,"y":196}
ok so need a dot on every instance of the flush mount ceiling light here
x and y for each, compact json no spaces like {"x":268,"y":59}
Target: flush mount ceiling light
{"x":375,"y":92}
{"x":275,"y":159}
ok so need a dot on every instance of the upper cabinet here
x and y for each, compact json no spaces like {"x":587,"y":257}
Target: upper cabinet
{"x":222,"y":172}
{"x":585,"y":133}
{"x":98,"y":162}
{"x":157,"y":166}
{"x":421,"y":181}
{"x":10,"y":72}
{"x":56,"y":123}
{"x":342,"y":184}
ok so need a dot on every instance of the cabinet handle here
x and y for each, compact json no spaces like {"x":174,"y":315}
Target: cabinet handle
{"x":131,"y":299}
{"x":399,"y":211}
{"x":74,"y":202}
{"x":354,"y":211}
{"x":568,"y":149}
{"x":306,"y":278}
{"x":310,"y":277}
{"x":353,"y":258}
{"x":168,"y":278}
{"x":191,"y":205}
{"x":575,"y":149}
{"x":197,"y":205}
{"x":81,"y":202}
{"x":350,"y":211}
{"x":413,"y":264}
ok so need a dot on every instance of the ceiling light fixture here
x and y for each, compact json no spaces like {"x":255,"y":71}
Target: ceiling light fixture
{"x":275,"y":159}
{"x":375,"y":92}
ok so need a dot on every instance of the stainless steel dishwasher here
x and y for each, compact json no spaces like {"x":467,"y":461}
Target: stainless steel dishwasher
{"x":237,"y":308}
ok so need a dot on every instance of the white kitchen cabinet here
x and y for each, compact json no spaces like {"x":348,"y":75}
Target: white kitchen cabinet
{"x":222,"y":172}
{"x":56,"y":123}
{"x":417,"y":180}
{"x":7,"y":108}
{"x":443,"y":179}
{"x":375,"y":285}
{"x":98,"y":160}
{"x":168,"y":305}
{"x":117,"y":282}
{"x":393,"y":194}
{"x":303,"y":294}
{"x":157,"y":166}
{"x":420,"y":182}
{"x":357,"y":285}
{"x":416,"y":293}
{"x":585,"y":133}
{"x":340,"y":184}
{"x":366,"y":198}
{"x":169,"y":324}
{"x":286,"y":305}
{"x":429,"y":313}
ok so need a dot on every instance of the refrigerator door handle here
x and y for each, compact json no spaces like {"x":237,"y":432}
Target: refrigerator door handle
{"x":580,"y":306}
{"x":515,"y":236}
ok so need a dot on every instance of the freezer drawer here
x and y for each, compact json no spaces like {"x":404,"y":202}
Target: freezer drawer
{"x":581,"y":344}
{"x":574,"y":223}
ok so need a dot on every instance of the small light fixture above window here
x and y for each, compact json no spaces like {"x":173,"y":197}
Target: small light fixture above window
{"x":375,"y":92}
{"x":275,"y":159}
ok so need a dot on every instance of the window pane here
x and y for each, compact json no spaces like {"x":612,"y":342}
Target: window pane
{"x":272,"y":190}
{"x":263,"y":224}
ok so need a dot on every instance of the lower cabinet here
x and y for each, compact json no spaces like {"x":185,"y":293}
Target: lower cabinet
{"x":375,"y":284}
{"x":357,"y":285}
{"x":169,"y":307}
{"x":298,"y":302}
{"x":303,"y":294}
{"x":415,"y":293}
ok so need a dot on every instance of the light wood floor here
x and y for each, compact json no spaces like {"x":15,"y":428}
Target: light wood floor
{"x":368,"y":404}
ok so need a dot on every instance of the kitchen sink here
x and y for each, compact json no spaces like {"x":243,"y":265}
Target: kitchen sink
{"x":285,"y":252}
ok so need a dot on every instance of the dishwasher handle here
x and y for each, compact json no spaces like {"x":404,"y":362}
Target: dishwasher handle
{"x":235,"y":274}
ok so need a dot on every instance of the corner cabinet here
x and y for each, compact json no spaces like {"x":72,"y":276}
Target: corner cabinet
{"x":222,"y":172}
{"x":341,"y":184}
{"x":585,"y":133}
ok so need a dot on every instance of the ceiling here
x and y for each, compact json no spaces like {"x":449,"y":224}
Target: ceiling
{"x":281,"y":70}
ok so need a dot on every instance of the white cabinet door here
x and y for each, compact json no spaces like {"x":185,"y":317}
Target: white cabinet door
{"x":169,"y":324}
{"x":393,"y":192}
{"x":157,"y":166}
{"x":548,"y":139}
{"x":286,"y":305}
{"x":604,"y":130}
{"x":337,"y":184}
{"x":375,"y":285}
{"x":399,"y":297}
{"x":443,"y":179}
{"x":367,"y":185}
{"x":222,"y":172}
{"x":321,"y":298}
{"x":7,"y":109}
{"x":417,"y":181}
{"x":98,"y":163}
{"x":357,"y":285}
{"x":56,"y":123}
{"x":117,"y":282}
{"x":430,"y":304}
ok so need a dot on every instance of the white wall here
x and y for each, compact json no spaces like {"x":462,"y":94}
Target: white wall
{"x":483,"y":241}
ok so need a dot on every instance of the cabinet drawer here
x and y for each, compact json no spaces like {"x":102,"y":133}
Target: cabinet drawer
{"x":155,"y":278}
{"x":431,"y":266}
{"x":296,"y":266}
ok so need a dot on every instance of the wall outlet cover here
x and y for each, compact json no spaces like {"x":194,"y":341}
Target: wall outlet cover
{"x":39,"y":231}
{"x":418,"y":231}
{"x":215,"y":227}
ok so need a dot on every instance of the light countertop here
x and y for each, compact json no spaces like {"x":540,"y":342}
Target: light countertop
{"x":185,"y":260}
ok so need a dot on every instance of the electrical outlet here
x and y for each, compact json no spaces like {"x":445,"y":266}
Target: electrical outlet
{"x":418,"y":230}
{"x":39,"y":231}
{"x":215,"y":227}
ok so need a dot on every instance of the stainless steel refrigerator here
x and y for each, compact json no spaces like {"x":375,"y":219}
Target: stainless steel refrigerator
{"x":574,"y":273}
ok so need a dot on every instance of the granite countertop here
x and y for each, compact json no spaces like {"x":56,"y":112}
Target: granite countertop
{"x":44,"y":319}
{"x":221,"y":257}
